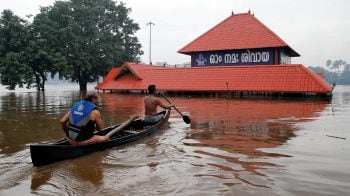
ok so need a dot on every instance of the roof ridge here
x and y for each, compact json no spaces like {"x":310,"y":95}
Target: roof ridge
{"x":273,"y":33}
{"x":214,"y":27}
{"x":269,"y":30}
{"x":224,"y":66}
{"x":229,"y":29}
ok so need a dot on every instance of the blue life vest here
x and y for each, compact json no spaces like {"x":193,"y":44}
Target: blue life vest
{"x":79,"y":118}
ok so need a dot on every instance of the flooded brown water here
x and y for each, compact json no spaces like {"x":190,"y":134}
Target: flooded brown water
{"x":232,"y":147}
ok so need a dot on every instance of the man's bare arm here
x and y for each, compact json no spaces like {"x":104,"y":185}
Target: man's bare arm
{"x":64,"y":121}
{"x":162,"y":105}
{"x":98,"y":120}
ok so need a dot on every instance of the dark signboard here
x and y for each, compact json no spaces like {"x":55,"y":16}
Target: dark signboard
{"x":233,"y":57}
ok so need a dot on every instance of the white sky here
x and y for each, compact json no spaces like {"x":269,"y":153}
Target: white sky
{"x":317,"y":29}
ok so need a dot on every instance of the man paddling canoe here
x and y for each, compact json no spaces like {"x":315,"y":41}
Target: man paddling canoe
{"x":151,"y":102}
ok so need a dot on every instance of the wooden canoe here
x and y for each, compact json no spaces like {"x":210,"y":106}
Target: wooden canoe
{"x":43,"y":154}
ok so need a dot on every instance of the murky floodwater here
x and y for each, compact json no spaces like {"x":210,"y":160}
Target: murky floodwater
{"x":232,"y":147}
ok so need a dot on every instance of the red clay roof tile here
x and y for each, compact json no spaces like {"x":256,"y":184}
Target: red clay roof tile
{"x":265,"y":78}
{"x":109,"y":77}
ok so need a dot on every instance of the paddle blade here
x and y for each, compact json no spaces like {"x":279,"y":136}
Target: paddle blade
{"x":186,"y":119}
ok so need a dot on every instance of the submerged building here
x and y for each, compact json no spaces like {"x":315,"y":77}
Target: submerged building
{"x":240,"y":56}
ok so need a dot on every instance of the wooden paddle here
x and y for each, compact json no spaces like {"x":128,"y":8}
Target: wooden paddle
{"x":184,"y":117}
{"x":121,"y":126}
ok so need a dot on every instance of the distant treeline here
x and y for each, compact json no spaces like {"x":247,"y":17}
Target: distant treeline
{"x":338,"y":72}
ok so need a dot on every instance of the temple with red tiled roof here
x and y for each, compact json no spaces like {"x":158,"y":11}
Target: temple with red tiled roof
{"x":241,"y":39}
{"x":240,"y":54}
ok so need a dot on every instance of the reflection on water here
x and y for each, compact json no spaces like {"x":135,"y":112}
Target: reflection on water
{"x":250,"y":124}
{"x":232,"y":146}
{"x":30,"y":117}
{"x":79,"y":175}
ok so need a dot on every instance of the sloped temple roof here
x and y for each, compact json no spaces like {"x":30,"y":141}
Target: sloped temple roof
{"x":238,"y":31}
{"x":266,"y":78}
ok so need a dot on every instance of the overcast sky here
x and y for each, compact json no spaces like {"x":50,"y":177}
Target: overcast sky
{"x":317,"y":29}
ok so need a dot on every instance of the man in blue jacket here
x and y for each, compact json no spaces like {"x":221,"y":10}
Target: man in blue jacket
{"x":82,"y":120}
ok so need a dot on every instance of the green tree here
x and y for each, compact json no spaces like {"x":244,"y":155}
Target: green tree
{"x":13,"y":70}
{"x":43,"y":59}
{"x":338,"y":65}
{"x":93,"y":35}
{"x":25,"y":57}
{"x":342,"y":70}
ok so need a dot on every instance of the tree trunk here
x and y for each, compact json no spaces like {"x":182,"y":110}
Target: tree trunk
{"x":37,"y":81}
{"x":83,"y":86}
{"x":43,"y":85}
{"x":43,"y":80}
